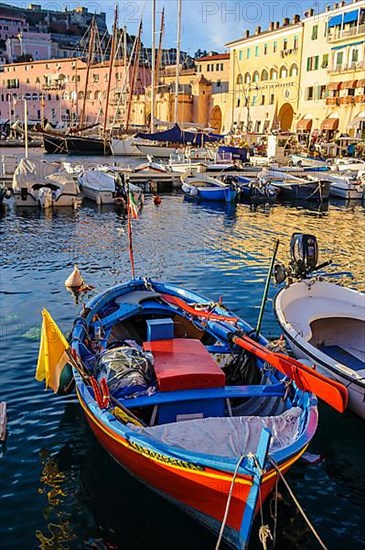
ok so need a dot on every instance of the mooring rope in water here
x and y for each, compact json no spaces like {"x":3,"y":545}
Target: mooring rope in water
{"x":311,"y":527}
{"x":228,"y":504}
{"x":130,"y":237}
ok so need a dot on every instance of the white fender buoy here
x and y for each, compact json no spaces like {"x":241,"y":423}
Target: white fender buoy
{"x":74,"y":280}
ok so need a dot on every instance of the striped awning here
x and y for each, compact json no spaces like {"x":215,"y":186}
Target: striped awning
{"x":305,"y":124}
{"x":332,"y":86}
{"x":349,"y":84}
{"x":330,"y":124}
{"x":360,"y":84}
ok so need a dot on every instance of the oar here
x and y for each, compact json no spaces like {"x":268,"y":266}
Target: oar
{"x":306,"y":378}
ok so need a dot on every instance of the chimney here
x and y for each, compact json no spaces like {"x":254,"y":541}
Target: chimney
{"x":247,"y":33}
{"x":335,"y":6}
{"x":277,"y":25}
{"x":328,"y":8}
{"x":342,"y":4}
{"x":286,"y":21}
{"x":272,"y":26}
{"x":311,"y":12}
{"x":296,"y":18}
{"x":258,"y":30}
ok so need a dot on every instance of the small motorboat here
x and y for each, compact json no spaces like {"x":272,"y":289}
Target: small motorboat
{"x":348,"y":163}
{"x":105,"y":185}
{"x":305,"y":187}
{"x":256,"y":189}
{"x":346,"y":186}
{"x":44,"y":184}
{"x":323,"y":322}
{"x":307,"y":161}
{"x":204,"y":187}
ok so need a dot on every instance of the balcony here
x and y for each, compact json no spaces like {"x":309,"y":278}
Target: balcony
{"x":338,"y":34}
{"x":354,"y":66}
{"x":332,"y":101}
{"x":359,"y":98}
{"x":348,"y":100}
{"x":290,"y":51}
{"x":54,"y":86}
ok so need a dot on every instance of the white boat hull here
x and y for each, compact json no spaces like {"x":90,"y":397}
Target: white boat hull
{"x":125,"y":148}
{"x":324,"y":324}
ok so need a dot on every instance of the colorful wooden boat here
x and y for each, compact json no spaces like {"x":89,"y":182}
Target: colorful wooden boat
{"x":169,"y":380}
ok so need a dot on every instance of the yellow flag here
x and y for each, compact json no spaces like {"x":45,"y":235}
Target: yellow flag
{"x":52,"y":356}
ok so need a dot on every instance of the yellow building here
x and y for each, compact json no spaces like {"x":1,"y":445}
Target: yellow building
{"x":264,"y":79}
{"x":332,"y":71}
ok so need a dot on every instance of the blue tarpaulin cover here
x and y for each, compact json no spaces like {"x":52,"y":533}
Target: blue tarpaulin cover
{"x":177,"y":135}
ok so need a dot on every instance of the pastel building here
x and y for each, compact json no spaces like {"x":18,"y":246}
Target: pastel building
{"x":55,"y":90}
{"x":12,"y":26}
{"x":264,"y":83}
{"x":333,"y":71}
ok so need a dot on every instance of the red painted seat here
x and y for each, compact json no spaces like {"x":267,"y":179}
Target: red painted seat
{"x":184,"y":364}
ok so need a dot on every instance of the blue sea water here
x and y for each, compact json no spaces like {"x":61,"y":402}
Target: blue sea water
{"x":59,"y":489}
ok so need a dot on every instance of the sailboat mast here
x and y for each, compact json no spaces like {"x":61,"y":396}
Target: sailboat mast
{"x":177,"y":60}
{"x":134,"y":74}
{"x":111,"y":65}
{"x":159,"y":51}
{"x":153,"y":68}
{"x":89,"y":61}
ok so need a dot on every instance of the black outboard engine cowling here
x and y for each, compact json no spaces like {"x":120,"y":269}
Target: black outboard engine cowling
{"x":303,"y":253}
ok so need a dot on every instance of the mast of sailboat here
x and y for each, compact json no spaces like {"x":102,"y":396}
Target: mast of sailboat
{"x":89,"y":61}
{"x":134,"y":75}
{"x":153,"y":68}
{"x":177,"y":61}
{"x":111,"y":65}
{"x":26,"y":127}
{"x":159,"y":51}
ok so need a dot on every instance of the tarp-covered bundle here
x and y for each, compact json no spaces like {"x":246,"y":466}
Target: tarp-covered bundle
{"x":177,"y":135}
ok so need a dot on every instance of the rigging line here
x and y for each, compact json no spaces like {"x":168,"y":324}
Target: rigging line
{"x":228,"y":504}
{"x":297,"y":504}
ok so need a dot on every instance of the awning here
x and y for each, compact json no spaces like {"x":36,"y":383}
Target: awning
{"x":357,"y":120}
{"x":351,"y":16}
{"x":349,"y":84}
{"x":360,"y":84}
{"x":332,"y":86}
{"x":335,"y":21}
{"x":330,"y":124}
{"x":348,"y":45}
{"x":305,"y":124}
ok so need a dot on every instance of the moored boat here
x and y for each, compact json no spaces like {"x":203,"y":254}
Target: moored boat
{"x":159,"y":351}
{"x":204,"y":187}
{"x":104,"y":185}
{"x":324,"y":322}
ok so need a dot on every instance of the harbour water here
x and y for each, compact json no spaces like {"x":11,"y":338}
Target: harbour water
{"x":59,"y":488}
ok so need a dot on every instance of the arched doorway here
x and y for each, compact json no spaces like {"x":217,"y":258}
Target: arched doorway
{"x":216,"y":119}
{"x":285,"y":117}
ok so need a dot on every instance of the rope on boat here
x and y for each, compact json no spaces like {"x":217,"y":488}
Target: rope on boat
{"x":264,"y":534}
{"x":228,"y":504}
{"x":311,"y":527}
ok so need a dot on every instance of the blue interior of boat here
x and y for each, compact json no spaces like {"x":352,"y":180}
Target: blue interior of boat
{"x":343,"y":356}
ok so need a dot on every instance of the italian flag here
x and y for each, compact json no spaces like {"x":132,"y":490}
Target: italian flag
{"x":133,"y":206}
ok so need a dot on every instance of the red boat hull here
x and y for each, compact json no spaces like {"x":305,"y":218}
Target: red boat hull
{"x":204,"y":490}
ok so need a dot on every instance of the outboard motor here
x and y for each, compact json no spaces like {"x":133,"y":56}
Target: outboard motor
{"x":303,"y":253}
{"x":304,"y":259}
{"x":232,"y":181}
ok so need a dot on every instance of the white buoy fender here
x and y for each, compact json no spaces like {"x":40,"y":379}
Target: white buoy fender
{"x":74,"y":280}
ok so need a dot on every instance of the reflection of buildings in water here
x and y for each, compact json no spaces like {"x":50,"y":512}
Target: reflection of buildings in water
{"x":340,"y":234}
{"x":53,"y":480}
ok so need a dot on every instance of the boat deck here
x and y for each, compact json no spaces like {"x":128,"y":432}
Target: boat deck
{"x":343,"y":356}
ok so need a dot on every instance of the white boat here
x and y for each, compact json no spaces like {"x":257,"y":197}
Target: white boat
{"x":154,"y":150}
{"x":107,"y":186}
{"x":341,"y":164}
{"x":125,"y":148}
{"x":304,"y":187}
{"x":39,"y":183}
{"x":307,"y":161}
{"x":323,"y":322}
{"x":180,"y":163}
